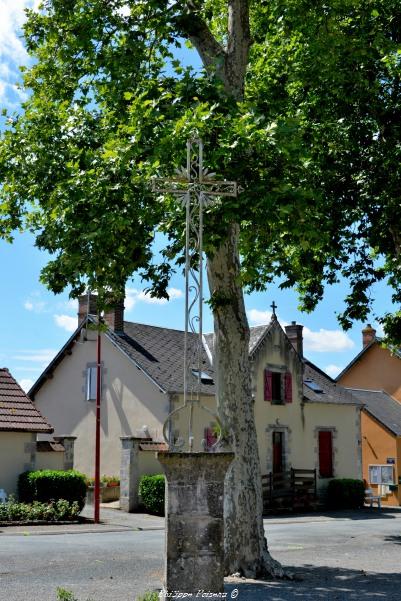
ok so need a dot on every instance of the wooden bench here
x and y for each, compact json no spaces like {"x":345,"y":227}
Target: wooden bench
{"x":371,"y":498}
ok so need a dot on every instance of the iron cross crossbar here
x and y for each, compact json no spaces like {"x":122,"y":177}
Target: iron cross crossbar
{"x":194,"y":185}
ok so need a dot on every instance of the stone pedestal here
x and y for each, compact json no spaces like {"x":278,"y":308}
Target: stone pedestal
{"x":194,"y":521}
{"x":68,"y":444}
{"x":129,"y":473}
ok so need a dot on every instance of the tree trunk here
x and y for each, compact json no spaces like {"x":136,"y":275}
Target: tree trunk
{"x":245,"y":545}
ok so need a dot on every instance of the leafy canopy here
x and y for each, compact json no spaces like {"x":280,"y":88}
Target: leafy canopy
{"x":313,"y":140}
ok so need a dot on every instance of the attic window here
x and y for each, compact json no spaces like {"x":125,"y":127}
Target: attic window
{"x":204,"y":377}
{"x":314,"y":386}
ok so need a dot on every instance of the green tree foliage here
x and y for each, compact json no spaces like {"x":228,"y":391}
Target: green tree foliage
{"x":313,"y":139}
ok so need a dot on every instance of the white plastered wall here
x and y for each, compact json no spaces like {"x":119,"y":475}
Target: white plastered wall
{"x":129,"y":402}
{"x":17,"y":454}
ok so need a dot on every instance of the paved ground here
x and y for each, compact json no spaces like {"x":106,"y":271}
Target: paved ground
{"x":338,"y":556}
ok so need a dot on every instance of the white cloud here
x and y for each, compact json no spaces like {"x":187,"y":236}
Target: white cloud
{"x":34,"y":302}
{"x":321,"y":341}
{"x":258,"y":318}
{"x":327,"y":341}
{"x":175,"y":293}
{"x":132,"y":296}
{"x":26,"y":384}
{"x":333,"y":370}
{"x":35,"y":306}
{"x":12,"y":49}
{"x":66,"y":322}
{"x":151,"y":300}
{"x":38,"y":356}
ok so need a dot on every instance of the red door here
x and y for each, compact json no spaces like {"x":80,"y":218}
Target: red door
{"x":278,"y":448}
{"x":326,"y":453}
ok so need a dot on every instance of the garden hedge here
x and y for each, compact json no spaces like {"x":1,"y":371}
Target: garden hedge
{"x":56,"y":511}
{"x":151,"y":490}
{"x":345,"y":493}
{"x":52,"y":485}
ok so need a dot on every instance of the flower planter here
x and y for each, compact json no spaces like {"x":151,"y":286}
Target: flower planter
{"x":107,"y":493}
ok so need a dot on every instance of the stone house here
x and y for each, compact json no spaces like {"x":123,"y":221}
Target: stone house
{"x":374,"y":376}
{"x":20,"y":423}
{"x":304,"y":419}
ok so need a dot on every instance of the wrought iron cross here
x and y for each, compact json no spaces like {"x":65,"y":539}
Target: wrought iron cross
{"x":195,"y":188}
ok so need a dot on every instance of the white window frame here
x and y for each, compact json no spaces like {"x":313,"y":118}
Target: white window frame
{"x":379,"y":467}
{"x":91,"y":380}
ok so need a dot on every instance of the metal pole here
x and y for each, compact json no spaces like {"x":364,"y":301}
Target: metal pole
{"x":97,"y":434}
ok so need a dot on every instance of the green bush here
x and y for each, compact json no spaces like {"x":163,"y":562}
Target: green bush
{"x":153,"y":596}
{"x":151,"y":490}
{"x":54,"y":511}
{"x":345,"y":493}
{"x":52,"y":485}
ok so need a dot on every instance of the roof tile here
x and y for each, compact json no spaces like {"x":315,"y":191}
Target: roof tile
{"x":17,"y":412}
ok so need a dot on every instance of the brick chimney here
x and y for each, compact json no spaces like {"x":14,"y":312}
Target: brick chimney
{"x":294,"y":334}
{"x":368,"y":335}
{"x":83,"y":306}
{"x":114,"y":317}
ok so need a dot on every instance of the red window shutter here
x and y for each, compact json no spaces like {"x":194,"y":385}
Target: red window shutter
{"x":210,"y":438}
{"x":268,"y":386}
{"x":288,"y":387}
{"x":326,"y":453}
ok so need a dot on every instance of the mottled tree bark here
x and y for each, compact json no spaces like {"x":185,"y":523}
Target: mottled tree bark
{"x":245,"y":545}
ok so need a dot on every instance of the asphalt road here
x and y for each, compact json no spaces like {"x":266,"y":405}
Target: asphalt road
{"x":336,"y":560}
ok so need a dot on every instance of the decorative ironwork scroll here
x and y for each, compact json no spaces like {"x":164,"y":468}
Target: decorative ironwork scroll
{"x":195,"y":187}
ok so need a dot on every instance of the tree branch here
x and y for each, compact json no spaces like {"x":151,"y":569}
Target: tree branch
{"x":197,"y":31}
{"x":238,"y":44}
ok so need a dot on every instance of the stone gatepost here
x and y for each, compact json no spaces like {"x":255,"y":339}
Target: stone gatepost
{"x":129,"y":473}
{"x":194,"y":521}
{"x":68,"y":444}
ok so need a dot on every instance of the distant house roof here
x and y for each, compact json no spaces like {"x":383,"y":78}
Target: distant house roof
{"x":376,"y":340}
{"x":382,"y":407}
{"x":17,"y":412}
{"x":320,"y":388}
{"x":158,"y":352}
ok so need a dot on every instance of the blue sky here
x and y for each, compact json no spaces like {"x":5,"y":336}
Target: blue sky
{"x":35,"y":323}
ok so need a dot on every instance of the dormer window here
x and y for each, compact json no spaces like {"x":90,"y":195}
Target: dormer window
{"x":313,"y":386}
{"x":277,"y":387}
{"x":204,"y":377}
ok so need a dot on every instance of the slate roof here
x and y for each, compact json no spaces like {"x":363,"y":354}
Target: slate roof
{"x":159,"y":352}
{"x":255,"y":337}
{"x":332,"y":393}
{"x":17,"y":412}
{"x":46,"y":446}
{"x":382,"y":407}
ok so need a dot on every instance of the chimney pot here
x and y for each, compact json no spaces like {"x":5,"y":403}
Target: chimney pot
{"x":84,"y":309}
{"x":368,"y":335}
{"x":294,"y":334}
{"x":114,"y":317}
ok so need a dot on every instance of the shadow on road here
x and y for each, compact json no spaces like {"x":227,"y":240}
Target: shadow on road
{"x":367,"y":513}
{"x":396,"y":540}
{"x":320,"y":584}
